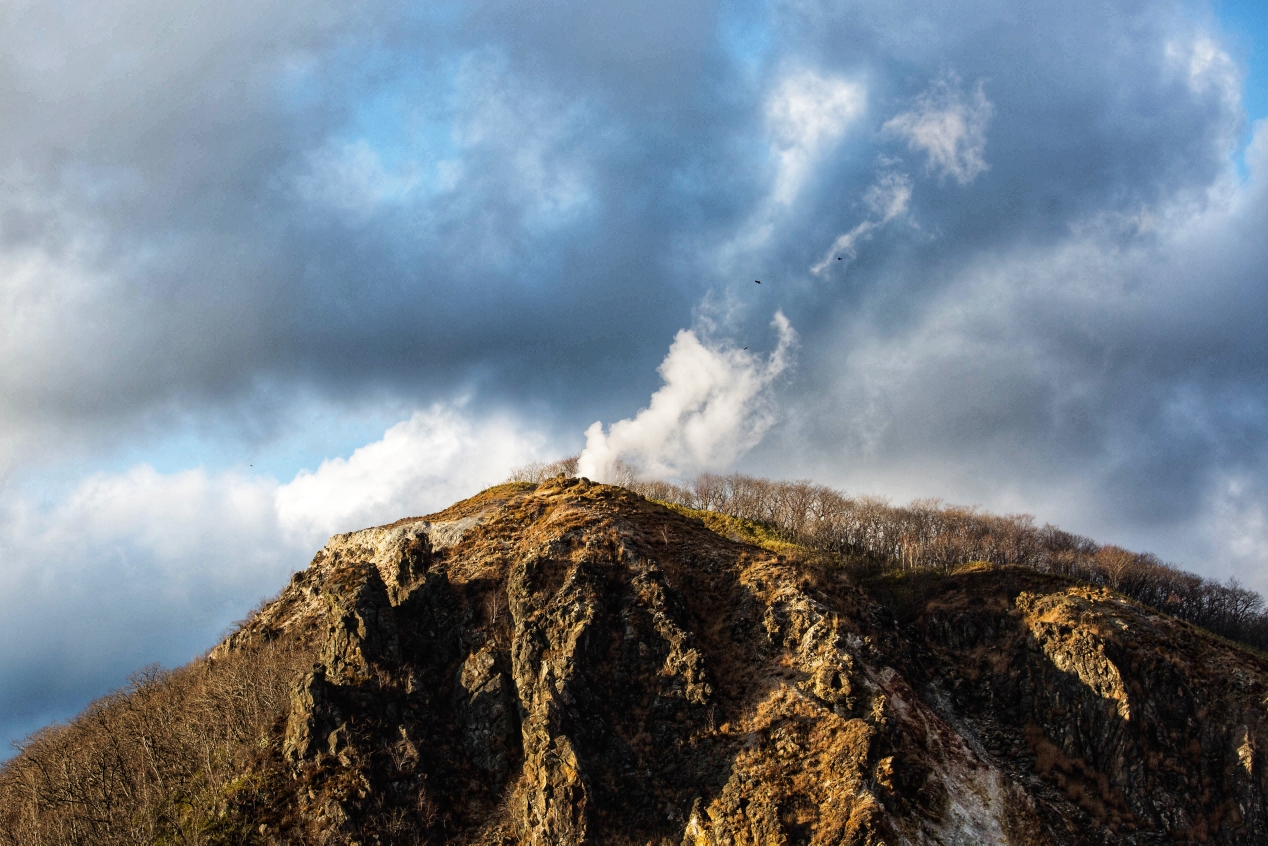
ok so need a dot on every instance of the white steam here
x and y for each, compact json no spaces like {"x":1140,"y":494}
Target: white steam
{"x":715,"y":405}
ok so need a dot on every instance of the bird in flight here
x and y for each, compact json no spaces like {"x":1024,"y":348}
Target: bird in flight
{"x":758,"y":281}
{"x":838,"y":258}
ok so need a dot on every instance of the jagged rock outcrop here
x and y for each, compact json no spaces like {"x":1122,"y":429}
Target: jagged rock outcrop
{"x":1125,"y":725}
{"x":569,"y":663}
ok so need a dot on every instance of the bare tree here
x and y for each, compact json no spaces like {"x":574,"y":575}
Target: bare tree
{"x":870,"y":534}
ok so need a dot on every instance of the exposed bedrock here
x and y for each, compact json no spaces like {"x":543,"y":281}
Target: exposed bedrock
{"x":572,"y":664}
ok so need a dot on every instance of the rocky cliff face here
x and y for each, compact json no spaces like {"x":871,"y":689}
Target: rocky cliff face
{"x":569,"y":663}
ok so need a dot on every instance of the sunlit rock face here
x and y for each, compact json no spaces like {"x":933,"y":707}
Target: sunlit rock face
{"x":570,"y":663}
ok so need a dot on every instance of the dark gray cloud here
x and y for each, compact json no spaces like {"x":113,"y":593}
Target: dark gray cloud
{"x":225,"y":194}
{"x":215,"y":218}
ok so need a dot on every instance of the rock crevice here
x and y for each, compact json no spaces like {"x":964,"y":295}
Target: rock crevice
{"x":568,"y":663}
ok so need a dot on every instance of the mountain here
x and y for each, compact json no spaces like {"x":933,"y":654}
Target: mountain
{"x":568,"y":662}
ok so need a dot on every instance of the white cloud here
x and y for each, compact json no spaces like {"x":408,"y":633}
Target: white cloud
{"x":482,"y":127}
{"x":1097,"y":381}
{"x":126,"y":570}
{"x":1207,"y":66}
{"x":888,"y":198}
{"x":140,"y":534}
{"x":806,"y":114}
{"x":715,"y":405}
{"x":948,"y":128}
{"x":1235,"y":526}
{"x":420,"y":465}
{"x":350,"y":176}
{"x":140,"y":566}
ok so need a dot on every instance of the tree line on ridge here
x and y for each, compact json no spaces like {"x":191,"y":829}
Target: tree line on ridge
{"x":873,"y":536}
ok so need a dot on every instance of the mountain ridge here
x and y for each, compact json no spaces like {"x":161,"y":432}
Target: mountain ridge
{"x":567,"y":662}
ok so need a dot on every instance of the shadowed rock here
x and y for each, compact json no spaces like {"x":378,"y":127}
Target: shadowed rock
{"x":569,"y":663}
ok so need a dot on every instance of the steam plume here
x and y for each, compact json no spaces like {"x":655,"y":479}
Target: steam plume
{"x":715,"y":405}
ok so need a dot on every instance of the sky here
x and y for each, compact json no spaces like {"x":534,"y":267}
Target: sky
{"x":275,"y":270}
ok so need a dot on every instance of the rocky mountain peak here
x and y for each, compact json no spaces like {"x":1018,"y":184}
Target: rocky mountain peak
{"x":570,"y":663}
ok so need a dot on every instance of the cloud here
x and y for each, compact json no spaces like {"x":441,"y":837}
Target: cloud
{"x":888,"y":198}
{"x":714,"y":406}
{"x":350,"y":177}
{"x":1235,"y":522}
{"x":232,"y":216}
{"x":1110,"y":381}
{"x":806,"y":114}
{"x":420,"y":465}
{"x":214,"y":214}
{"x":136,"y":567}
{"x":948,"y":128}
{"x":1207,"y":65}
{"x":230,"y":205}
{"x":127,"y":569}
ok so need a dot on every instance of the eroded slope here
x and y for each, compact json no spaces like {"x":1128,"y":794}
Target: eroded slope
{"x":570,"y":663}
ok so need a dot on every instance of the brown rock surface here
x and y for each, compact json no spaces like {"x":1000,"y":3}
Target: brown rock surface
{"x":569,"y":663}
